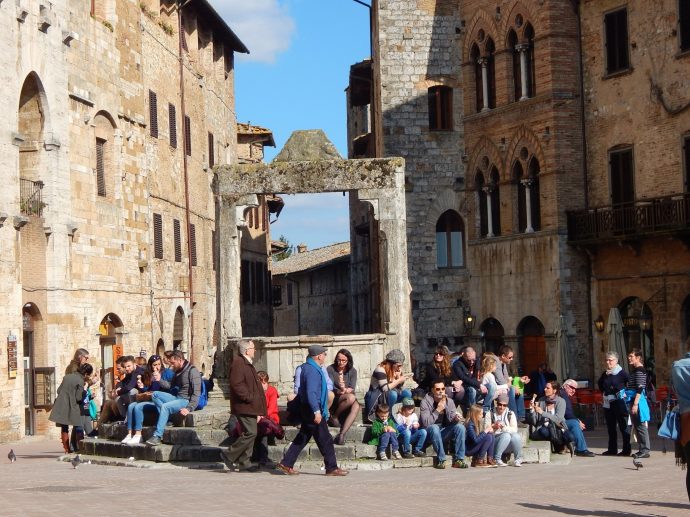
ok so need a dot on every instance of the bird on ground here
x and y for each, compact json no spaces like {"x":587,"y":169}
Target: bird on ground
{"x":76,"y":461}
{"x":638,"y":464}
{"x":11,"y":456}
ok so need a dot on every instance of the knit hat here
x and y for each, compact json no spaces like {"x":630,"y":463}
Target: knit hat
{"x":395,"y":356}
{"x":503,"y":398}
{"x":407,"y":402}
{"x":315,"y":350}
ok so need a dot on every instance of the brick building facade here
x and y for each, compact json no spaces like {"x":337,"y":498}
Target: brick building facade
{"x":109,"y":217}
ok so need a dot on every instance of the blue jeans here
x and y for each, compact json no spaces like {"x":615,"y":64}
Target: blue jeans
{"x":437,"y":435}
{"x":577,"y":434}
{"x":416,"y":437}
{"x":394,"y":396}
{"x":167,"y":404}
{"x":135,"y":414}
{"x":516,"y":404}
{"x":387,"y":439}
{"x":483,"y":447}
{"x":489,"y":397}
{"x":507,"y":442}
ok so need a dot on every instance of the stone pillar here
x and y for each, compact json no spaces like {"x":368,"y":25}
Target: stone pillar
{"x":522,"y":49}
{"x":484,"y":63}
{"x":528,"y":203}
{"x":489,"y":216}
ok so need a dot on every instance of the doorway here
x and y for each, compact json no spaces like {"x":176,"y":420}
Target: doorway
{"x":111,"y":346}
{"x":532,"y":344}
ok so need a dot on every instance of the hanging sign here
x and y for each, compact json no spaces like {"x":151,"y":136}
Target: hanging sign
{"x":12,"y":356}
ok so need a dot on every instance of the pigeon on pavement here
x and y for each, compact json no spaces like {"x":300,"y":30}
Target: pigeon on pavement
{"x":11,"y":456}
{"x":638,"y":464}
{"x":76,"y":461}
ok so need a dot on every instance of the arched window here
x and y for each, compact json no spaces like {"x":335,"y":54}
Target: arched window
{"x":495,"y":201}
{"x":450,"y":232}
{"x":104,"y":162}
{"x":515,"y":56}
{"x":481,"y":203}
{"x":521,"y":196}
{"x":529,"y":65}
{"x":491,"y":72}
{"x":478,"y":85}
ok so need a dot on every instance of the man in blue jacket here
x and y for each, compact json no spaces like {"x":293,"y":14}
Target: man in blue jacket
{"x":313,"y":403}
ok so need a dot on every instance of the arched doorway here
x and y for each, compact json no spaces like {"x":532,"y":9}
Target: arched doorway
{"x":30,"y":316}
{"x":532,"y":344}
{"x":110,"y":342}
{"x":492,"y":334}
{"x":160,"y":348}
{"x":638,"y":331}
{"x":178,"y":329}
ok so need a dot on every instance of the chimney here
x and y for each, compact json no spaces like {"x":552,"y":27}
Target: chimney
{"x":301,"y":248}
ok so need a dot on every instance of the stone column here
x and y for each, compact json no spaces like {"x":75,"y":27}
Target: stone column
{"x":489,"y":216}
{"x":527,"y":183}
{"x":484,"y":63}
{"x":522,"y":49}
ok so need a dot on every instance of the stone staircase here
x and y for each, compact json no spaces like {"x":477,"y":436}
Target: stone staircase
{"x":201,"y":440}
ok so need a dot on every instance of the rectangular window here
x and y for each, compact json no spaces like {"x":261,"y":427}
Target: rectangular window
{"x":684,"y":23}
{"x":153,"y":113}
{"x":686,"y":162}
{"x":622,"y":176}
{"x":172,"y":125}
{"x":440,"y":108}
{"x":178,"y":240}
{"x":245,"y":287}
{"x":211,"y":151}
{"x":192,"y":243}
{"x":100,"y":166}
{"x":259,"y":282}
{"x":277,"y":295}
{"x":157,"y":236}
{"x":187,"y":136}
{"x":616,"y":27}
{"x":44,"y":387}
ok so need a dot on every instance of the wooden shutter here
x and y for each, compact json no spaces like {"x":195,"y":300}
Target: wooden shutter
{"x":178,"y":244}
{"x":172,"y":123}
{"x":157,"y":236}
{"x":187,"y":136}
{"x":211,"y":151}
{"x":100,"y":166}
{"x":192,"y":243}
{"x":153,"y":113}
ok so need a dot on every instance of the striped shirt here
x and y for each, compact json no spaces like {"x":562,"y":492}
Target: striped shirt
{"x":638,"y":379}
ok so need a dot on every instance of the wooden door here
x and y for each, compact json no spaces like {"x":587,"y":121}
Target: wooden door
{"x":532,"y":353}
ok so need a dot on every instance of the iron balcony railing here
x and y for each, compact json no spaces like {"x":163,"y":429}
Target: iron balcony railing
{"x":30,"y":197}
{"x":646,"y":217}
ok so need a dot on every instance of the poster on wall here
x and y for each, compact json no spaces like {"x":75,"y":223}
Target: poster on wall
{"x":12,"y":356}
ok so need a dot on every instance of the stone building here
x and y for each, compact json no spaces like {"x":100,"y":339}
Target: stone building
{"x":312,"y":292}
{"x":635,"y":226}
{"x":112,"y":125}
{"x":484,"y":100}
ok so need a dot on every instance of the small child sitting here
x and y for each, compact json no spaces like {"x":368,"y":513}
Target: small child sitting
{"x":383,"y":434}
{"x":408,"y":427}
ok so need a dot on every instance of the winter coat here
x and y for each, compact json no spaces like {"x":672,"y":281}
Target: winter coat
{"x":68,"y":404}
{"x":246,"y":392}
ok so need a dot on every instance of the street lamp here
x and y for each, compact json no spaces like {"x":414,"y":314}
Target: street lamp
{"x":469,"y":320}
{"x":599,"y":323}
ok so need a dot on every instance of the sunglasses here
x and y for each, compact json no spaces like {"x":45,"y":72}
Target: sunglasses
{"x":501,"y":405}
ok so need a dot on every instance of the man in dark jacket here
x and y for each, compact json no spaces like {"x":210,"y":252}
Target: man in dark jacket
{"x":186,"y":384}
{"x":247,"y":401}
{"x":313,"y":403}
{"x":467,"y":370}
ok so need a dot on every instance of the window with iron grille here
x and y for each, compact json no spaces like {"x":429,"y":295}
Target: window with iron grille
{"x":440,"y":108}
{"x":44,"y":387}
{"x":100,"y":166}
{"x":153,"y":113}
{"x":158,"y":236}
{"x":178,"y":242}
{"x":187,"y":136}
{"x":211,"y":151}
{"x":616,"y":25}
{"x":192,"y":243}
{"x":172,"y":123}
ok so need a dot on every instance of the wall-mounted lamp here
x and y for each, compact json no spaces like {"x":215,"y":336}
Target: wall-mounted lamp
{"x":468,"y":320}
{"x":645,"y":322}
{"x":599,"y":323}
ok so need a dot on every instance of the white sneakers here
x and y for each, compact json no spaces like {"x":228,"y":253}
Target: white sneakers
{"x":517,"y":462}
{"x":501,"y":463}
{"x":126,"y":439}
{"x":396,"y":455}
{"x":131,"y":440}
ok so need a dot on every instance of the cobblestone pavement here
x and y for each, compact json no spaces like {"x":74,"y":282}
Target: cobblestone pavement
{"x":37,"y":484}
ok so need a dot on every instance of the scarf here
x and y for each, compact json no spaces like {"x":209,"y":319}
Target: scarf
{"x":324,"y":387}
{"x":614,"y":370}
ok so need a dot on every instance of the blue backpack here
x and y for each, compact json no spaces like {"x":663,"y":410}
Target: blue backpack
{"x":203,"y":398}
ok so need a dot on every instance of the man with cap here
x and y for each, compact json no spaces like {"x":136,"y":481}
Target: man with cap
{"x":313,"y":404}
{"x":575,"y":425}
{"x":247,"y":401}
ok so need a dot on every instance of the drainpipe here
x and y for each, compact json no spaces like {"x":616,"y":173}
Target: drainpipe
{"x":186,"y":181}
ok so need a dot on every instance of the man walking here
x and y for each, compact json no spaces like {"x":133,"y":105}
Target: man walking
{"x":247,"y":402}
{"x":313,"y":404}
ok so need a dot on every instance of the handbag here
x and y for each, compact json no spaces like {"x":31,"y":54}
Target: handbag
{"x":670,"y":425}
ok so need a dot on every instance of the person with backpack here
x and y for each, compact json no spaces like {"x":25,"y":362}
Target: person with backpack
{"x":506,"y":436}
{"x":247,"y":402}
{"x":181,"y":395}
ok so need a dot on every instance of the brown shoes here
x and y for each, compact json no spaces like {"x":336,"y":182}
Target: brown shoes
{"x":287,"y":470}
{"x":337,"y":472}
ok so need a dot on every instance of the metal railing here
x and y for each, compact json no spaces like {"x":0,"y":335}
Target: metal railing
{"x":668,"y":214}
{"x":30,"y":197}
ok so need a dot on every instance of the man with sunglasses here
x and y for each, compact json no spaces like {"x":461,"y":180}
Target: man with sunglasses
{"x":507,"y":439}
{"x":575,"y":425}
{"x":442,"y":422}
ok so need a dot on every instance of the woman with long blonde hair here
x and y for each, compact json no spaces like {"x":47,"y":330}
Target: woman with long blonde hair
{"x":480,"y":438}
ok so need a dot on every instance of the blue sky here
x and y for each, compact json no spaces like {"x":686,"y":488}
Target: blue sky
{"x":295,"y":78}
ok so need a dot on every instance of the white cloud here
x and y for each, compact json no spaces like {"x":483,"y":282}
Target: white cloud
{"x":264,"y":26}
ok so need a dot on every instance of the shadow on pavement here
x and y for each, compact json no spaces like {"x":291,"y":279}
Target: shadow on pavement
{"x":576,"y":511}
{"x":651,"y":503}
